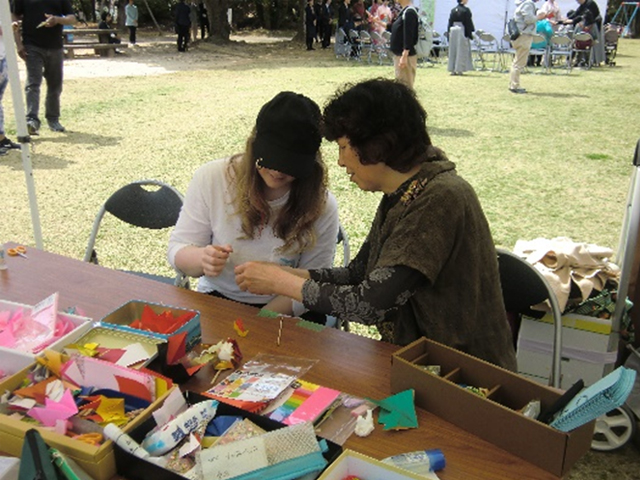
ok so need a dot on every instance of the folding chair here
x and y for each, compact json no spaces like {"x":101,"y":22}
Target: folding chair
{"x":440,"y":47}
{"x":346,"y":258}
{"x":523,"y":286}
{"x":136,"y":204}
{"x":582,"y":45}
{"x":560,"y":53}
{"x":380,"y":47}
{"x":487,"y":47}
{"x":366,"y":44}
{"x":342,"y":47}
{"x":355,"y":46}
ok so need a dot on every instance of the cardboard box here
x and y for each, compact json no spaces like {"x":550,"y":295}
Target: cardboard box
{"x":495,"y":418}
{"x":12,"y":361}
{"x":97,"y":461}
{"x":123,"y":316}
{"x":109,"y":337}
{"x":82,"y":324}
{"x":354,"y":463}
{"x":586,"y":345}
{"x":134,"y":468}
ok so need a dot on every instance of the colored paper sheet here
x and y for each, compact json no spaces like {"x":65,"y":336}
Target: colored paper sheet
{"x":54,"y":411}
{"x":398,"y":412}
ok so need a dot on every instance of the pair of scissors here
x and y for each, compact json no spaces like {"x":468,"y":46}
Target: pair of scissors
{"x":20,"y":250}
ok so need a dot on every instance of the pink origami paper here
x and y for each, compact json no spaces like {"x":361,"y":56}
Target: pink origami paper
{"x":54,"y":411}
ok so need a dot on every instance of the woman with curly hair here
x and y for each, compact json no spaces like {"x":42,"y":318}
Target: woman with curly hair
{"x":428,"y":266}
{"x":268,"y":204}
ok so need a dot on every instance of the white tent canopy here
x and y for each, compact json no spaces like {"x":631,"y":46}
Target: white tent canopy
{"x":492,"y":15}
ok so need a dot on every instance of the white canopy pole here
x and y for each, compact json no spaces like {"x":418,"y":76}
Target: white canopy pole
{"x":21,"y":121}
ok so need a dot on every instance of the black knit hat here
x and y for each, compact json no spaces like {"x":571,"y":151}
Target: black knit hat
{"x":288,"y":134}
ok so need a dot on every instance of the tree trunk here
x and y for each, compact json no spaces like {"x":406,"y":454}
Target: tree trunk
{"x":217,"y":12}
{"x":300,"y":33}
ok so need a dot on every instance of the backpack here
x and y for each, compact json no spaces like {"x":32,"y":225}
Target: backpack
{"x":425,"y":36}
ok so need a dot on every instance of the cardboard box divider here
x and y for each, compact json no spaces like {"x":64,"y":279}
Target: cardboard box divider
{"x":495,"y":418}
{"x":97,"y":461}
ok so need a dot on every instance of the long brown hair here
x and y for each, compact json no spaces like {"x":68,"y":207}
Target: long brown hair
{"x":295,"y":221}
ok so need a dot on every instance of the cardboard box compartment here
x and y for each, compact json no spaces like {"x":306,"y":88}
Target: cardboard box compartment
{"x":82,"y":324}
{"x":495,"y":418}
{"x":97,"y":461}
{"x":134,"y":468}
{"x":12,"y":361}
{"x":585,"y":349}
{"x":123,"y":316}
{"x":362,"y":466}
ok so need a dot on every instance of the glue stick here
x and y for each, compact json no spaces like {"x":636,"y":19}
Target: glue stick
{"x":159,"y":442}
{"x":128,"y":444}
{"x":3,"y":262}
{"x":420,"y":462}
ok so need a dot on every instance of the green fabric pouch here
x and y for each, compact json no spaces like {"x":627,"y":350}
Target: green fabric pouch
{"x":35,"y":460}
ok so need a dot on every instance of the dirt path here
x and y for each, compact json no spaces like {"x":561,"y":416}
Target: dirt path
{"x":157,"y":55}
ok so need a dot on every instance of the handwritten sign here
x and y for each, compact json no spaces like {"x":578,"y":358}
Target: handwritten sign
{"x":233,"y":459}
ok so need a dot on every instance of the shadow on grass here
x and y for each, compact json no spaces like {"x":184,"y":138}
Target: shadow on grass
{"x":449,"y":132}
{"x":558,"y":95}
{"x":38,"y":162}
{"x":82,"y":138}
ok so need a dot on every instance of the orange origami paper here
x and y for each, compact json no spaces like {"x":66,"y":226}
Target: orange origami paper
{"x":38,"y":391}
{"x":164,"y":322}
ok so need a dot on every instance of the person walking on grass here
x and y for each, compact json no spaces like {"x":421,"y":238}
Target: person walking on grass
{"x":310,"y":24}
{"x":404,"y":36}
{"x":183,"y":25}
{"x":5,"y":143}
{"x":526,"y":18}
{"x":40,"y":46}
{"x":131,"y":21}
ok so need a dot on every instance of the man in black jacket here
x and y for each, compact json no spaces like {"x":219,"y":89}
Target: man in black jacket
{"x":40,"y":46}
{"x":325,"y":19}
{"x":183,"y":25}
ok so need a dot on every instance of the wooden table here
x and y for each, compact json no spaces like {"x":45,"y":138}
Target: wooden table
{"x":90,"y":38}
{"x":346,"y":362}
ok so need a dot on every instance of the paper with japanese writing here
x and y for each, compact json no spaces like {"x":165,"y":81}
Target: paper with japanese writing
{"x":233,"y":459}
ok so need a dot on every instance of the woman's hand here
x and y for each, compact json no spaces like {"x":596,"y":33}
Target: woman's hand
{"x":269,"y":279}
{"x":257,"y":277}
{"x":403,"y":59}
{"x":214,"y":258}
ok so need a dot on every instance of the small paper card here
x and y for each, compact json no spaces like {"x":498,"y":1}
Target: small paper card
{"x":233,"y":459}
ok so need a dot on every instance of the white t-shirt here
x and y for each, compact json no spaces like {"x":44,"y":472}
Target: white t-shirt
{"x":208,"y":217}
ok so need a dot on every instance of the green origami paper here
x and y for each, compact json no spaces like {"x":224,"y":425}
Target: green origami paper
{"x":398,"y":412}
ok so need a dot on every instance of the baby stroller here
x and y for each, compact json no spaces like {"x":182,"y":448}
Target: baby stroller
{"x":611,"y":36}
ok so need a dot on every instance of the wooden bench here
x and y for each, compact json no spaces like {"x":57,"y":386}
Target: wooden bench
{"x":90,"y":38}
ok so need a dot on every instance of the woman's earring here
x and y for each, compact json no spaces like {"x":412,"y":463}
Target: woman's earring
{"x":259,"y":163}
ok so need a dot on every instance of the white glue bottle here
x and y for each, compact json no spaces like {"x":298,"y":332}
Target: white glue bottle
{"x":420,"y":462}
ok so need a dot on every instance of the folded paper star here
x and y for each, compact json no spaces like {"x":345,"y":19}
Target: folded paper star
{"x":238,"y":326}
{"x":398,"y":412}
{"x":54,"y":411}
